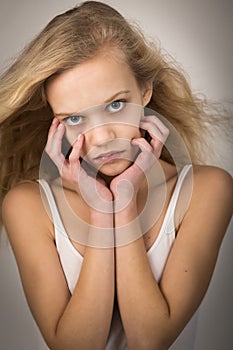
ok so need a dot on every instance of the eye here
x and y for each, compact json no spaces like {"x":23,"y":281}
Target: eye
{"x":74,"y":120}
{"x":116,"y":106}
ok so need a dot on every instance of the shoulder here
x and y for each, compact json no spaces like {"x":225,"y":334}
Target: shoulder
{"x":25,"y":189}
{"x":211,"y":203}
{"x":23,"y":205}
{"x":213,"y":182}
{"x":21,"y":196}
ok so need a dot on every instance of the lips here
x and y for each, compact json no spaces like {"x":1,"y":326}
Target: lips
{"x":109,"y":156}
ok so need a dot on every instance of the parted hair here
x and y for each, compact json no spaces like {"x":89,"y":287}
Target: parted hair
{"x":70,"y":39}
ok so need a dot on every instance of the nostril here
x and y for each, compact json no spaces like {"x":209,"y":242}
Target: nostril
{"x":100,"y":135}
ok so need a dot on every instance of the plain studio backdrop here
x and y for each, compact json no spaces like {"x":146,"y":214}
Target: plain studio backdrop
{"x":198,"y":33}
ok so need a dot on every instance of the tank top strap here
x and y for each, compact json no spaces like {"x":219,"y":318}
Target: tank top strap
{"x":58,"y":224}
{"x":169,"y":219}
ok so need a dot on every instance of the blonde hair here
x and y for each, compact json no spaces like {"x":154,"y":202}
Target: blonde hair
{"x":70,"y":39}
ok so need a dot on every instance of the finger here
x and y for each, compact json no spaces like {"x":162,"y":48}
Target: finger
{"x":157,"y":146}
{"x":53,"y":127}
{"x":148,"y":155}
{"x":156,"y":121}
{"x":54,"y":144}
{"x":51,"y":133}
{"x":154,"y":131}
{"x":145,"y":148}
{"x":72,"y":169}
{"x":155,"y":128}
{"x":76,"y":150}
{"x":55,"y":135}
{"x":154,"y":147}
{"x":142,"y":144}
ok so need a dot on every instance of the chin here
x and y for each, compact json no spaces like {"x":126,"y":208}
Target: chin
{"x":115,"y":169}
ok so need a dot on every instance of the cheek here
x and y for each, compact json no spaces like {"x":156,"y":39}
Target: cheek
{"x":71,"y":135}
{"x":134,"y":132}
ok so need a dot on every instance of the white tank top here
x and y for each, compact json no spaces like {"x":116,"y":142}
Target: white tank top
{"x":71,"y":262}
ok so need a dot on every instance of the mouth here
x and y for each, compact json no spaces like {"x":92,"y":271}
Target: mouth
{"x":108,"y":156}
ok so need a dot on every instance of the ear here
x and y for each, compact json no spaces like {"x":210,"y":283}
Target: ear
{"x":147,"y":93}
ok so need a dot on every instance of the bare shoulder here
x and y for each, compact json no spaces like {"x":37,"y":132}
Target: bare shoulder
{"x":214,"y":182}
{"x":23,"y":205}
{"x":211,"y":203}
{"x":22,"y":196}
{"x":27,"y":190}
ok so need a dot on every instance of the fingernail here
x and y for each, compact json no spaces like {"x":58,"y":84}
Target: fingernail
{"x":60,"y":126}
{"x":79,"y":137}
{"x":54,"y":120}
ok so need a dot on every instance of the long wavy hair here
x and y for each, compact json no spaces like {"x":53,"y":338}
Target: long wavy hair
{"x":70,"y":39}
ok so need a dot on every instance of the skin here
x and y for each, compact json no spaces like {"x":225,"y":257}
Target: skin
{"x":153,"y":314}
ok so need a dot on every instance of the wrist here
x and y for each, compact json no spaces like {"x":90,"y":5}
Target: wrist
{"x":126,"y":231}
{"x":124,"y":214}
{"x":102,"y":218}
{"x":101,"y":230}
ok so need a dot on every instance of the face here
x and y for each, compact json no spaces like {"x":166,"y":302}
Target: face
{"x":102,"y":100}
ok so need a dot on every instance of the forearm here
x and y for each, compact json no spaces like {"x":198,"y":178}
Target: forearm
{"x":86,"y":320}
{"x":143,"y":308}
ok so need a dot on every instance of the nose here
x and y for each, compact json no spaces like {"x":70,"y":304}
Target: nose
{"x":100,"y":134}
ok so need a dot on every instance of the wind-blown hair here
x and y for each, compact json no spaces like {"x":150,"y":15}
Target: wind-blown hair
{"x":70,"y":39}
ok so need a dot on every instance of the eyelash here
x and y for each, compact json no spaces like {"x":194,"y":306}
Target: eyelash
{"x":66,"y":120}
{"x":116,"y":101}
{"x":81,"y":118}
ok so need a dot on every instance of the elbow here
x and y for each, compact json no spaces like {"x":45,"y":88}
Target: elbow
{"x":157,"y":338}
{"x":56,"y":341}
{"x":59,"y":342}
{"x":150,"y":344}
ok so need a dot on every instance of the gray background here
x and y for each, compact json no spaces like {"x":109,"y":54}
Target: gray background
{"x":198,"y":33}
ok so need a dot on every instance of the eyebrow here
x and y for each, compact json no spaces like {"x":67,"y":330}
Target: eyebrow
{"x":110,"y":99}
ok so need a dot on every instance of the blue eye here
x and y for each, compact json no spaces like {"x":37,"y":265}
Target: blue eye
{"x":74,"y":120}
{"x":116,"y":106}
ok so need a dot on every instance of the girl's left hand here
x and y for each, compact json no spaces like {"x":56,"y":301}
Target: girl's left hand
{"x":125,"y":186}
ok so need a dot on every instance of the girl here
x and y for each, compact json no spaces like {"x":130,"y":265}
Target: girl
{"x":119,"y":231}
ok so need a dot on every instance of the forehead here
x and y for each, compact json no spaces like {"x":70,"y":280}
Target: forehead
{"x":90,"y":83}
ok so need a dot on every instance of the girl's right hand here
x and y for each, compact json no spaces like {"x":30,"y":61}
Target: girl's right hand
{"x":94,"y":192}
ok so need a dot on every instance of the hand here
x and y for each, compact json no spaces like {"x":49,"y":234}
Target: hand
{"x":94,"y":192}
{"x":125,"y":187}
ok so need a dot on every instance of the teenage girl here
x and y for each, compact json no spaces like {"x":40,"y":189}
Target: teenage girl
{"x":115,"y":233}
